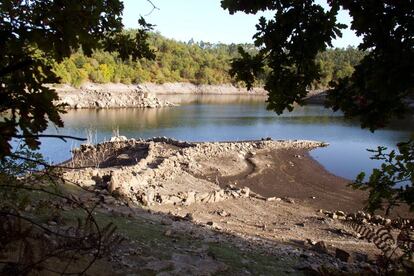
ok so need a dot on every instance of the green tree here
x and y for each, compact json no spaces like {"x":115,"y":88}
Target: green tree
{"x":34,"y":34}
{"x":299,"y":30}
{"x":373,"y":91}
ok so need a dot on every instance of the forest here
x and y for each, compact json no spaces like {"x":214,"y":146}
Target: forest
{"x":194,"y":62}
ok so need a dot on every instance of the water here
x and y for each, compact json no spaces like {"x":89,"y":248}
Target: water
{"x":226,"y":118}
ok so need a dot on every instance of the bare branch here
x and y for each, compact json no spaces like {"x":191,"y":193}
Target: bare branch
{"x":61,"y":137}
{"x":153,"y":8}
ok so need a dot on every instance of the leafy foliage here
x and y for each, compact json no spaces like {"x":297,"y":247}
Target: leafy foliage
{"x":289,"y":43}
{"x":194,"y":62}
{"x":374,"y":90}
{"x":397,"y":251}
{"x":383,"y":184}
{"x":33,"y":34}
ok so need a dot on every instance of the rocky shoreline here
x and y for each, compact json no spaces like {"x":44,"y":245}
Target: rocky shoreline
{"x":248,"y":194}
{"x":95,"y":96}
{"x":111,"y":95}
{"x":165,"y":171}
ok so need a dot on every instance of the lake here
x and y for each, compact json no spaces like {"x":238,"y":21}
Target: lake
{"x":228,"y":118}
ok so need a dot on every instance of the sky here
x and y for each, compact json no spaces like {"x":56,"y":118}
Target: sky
{"x":205,"y":20}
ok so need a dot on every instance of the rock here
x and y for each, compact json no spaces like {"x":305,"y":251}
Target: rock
{"x":377,"y":219}
{"x":223,"y":213}
{"x":342,"y":255}
{"x":320,"y":247}
{"x":340,"y":214}
{"x":88,"y":182}
{"x":360,"y":215}
{"x":190,"y":199}
{"x":273,"y":199}
{"x":245,"y":192}
{"x":168,"y":233}
{"x":213,"y":224}
{"x":189,"y":217}
{"x":289,"y":200}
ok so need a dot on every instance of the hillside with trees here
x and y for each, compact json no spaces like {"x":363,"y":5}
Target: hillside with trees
{"x":194,"y":62}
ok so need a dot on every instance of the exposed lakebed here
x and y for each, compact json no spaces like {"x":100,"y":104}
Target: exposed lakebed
{"x":228,"y":118}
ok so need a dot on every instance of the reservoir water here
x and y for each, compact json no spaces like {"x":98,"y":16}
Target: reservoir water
{"x":225,"y":118}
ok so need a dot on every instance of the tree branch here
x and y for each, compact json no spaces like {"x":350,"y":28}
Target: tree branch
{"x":61,"y":137}
{"x":153,"y":8}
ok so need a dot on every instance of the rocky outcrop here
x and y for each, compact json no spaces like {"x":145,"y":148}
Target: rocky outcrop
{"x":108,"y":96}
{"x":166,"y":171}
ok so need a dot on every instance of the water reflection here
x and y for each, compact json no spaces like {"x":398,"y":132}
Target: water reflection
{"x":224,"y":118}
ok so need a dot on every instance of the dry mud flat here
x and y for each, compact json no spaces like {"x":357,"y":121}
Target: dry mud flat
{"x":257,"y":192}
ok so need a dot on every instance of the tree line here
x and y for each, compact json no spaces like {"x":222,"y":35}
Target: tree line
{"x":193,"y":62}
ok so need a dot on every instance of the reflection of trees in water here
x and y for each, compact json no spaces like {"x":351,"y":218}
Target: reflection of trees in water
{"x":217,"y":111}
{"x":214,"y":99}
{"x":125,"y":118}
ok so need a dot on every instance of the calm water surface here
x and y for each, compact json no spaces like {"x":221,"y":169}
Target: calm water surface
{"x":225,"y":118}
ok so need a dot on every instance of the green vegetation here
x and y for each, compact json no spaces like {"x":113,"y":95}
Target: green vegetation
{"x":35,"y":33}
{"x":374,"y":91}
{"x":198,"y":63}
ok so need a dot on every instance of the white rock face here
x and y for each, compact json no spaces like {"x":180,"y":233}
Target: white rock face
{"x":108,"y":96}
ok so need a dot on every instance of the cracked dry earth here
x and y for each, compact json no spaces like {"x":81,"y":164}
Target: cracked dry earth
{"x":201,"y":218}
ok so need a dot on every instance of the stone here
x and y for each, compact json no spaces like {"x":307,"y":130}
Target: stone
{"x":387,"y":222}
{"x":360,"y":214}
{"x":340,"y":213}
{"x":320,"y":247}
{"x":377,"y":219}
{"x":88,"y":182}
{"x":245,"y":192}
{"x":342,"y":255}
{"x":211,"y":223}
{"x":223,"y":213}
{"x":289,"y":200}
{"x":190,"y":198}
